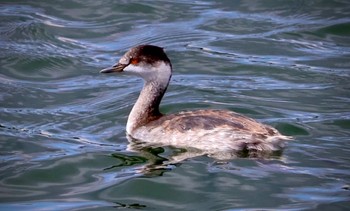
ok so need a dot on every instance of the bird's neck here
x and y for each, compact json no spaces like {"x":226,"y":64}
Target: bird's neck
{"x":146,"y":108}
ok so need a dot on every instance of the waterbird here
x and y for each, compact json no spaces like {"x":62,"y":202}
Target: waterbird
{"x":211,"y":132}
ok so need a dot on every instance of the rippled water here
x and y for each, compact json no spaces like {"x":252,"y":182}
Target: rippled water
{"x":62,"y":124}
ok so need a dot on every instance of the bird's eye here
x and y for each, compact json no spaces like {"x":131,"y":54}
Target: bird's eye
{"x":134,"y":61}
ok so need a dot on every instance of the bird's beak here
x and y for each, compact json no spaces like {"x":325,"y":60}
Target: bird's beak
{"x":116,"y":68}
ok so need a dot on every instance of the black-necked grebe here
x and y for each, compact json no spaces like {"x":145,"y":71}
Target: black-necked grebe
{"x":211,"y":131}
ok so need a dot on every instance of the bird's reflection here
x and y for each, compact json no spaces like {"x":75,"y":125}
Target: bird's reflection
{"x":162,"y":158}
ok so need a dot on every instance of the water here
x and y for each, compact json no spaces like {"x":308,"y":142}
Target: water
{"x":62,"y":124}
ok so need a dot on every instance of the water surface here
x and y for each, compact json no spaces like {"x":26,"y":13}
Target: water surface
{"x":62,"y":124}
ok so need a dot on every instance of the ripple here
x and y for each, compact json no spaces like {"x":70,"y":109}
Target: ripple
{"x":329,"y":193}
{"x":62,"y":124}
{"x":59,"y":205}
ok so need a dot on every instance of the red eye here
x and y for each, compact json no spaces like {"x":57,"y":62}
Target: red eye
{"x":134,"y":61}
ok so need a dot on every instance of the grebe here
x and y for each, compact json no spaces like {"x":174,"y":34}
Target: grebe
{"x":210,"y":131}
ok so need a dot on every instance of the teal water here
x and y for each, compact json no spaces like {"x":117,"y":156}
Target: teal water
{"x":62,"y":124}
